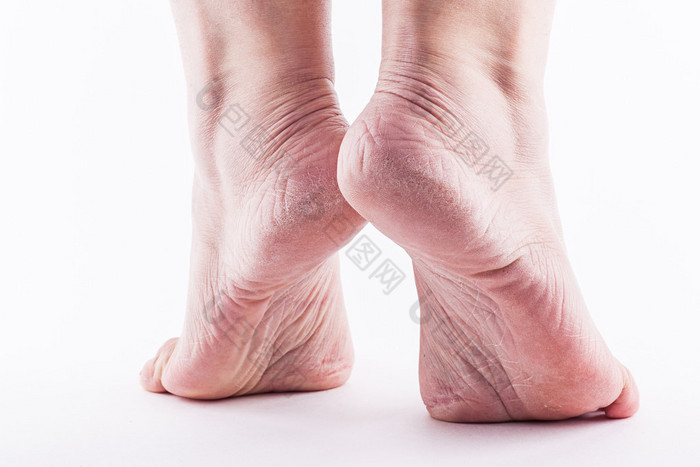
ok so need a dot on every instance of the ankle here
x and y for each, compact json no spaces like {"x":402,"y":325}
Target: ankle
{"x":509,"y":116}
{"x":503,"y":41}
{"x":245,"y":40}
{"x":261,"y":115}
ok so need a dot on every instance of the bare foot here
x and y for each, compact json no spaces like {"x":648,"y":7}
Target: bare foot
{"x":265,"y":309}
{"x":449,"y":159}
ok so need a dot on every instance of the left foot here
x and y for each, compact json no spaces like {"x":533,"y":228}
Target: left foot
{"x":265,"y":309}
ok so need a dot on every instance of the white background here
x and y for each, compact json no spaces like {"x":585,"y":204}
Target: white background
{"x":95,"y":179}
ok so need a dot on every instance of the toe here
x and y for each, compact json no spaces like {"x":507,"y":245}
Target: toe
{"x":153,"y":370}
{"x":627,"y":402}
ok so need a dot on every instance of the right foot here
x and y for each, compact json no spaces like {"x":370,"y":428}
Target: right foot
{"x":265,"y":310}
{"x":505,"y":333}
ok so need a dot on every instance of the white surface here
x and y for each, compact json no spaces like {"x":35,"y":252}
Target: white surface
{"x":95,"y":178}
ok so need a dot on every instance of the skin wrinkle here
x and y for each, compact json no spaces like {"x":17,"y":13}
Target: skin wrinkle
{"x":419,"y":103}
{"x":486,"y":368}
{"x":283,"y":127}
{"x":449,"y":394}
{"x":268,"y":331}
{"x":308,"y":332}
{"x":315,"y":293}
{"x":277,"y":122}
{"x":512,"y":97}
{"x":278,"y":145}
